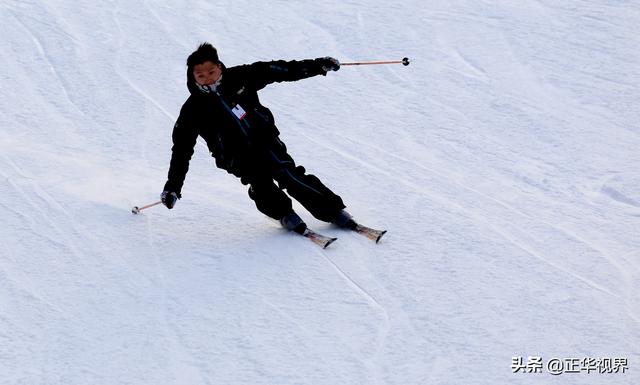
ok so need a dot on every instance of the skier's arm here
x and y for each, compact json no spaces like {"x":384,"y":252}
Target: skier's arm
{"x":184,"y":140}
{"x":261,"y":74}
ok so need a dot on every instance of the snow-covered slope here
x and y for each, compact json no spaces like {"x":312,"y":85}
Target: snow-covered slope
{"x":503,"y":161}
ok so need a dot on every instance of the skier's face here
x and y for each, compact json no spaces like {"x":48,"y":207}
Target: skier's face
{"x":207,"y":73}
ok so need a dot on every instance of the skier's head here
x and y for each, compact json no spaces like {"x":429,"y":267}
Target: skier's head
{"x":203,"y":67}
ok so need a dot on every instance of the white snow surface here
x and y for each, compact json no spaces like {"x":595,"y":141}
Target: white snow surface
{"x":503,"y":162}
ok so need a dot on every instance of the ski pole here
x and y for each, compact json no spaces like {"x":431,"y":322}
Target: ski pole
{"x":137,"y":209}
{"x":404,"y":61}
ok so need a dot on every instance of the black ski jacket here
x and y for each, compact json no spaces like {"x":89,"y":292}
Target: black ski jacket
{"x":231,"y":120}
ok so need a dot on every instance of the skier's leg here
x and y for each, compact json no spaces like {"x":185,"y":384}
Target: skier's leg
{"x":273,"y":202}
{"x":269,"y":198}
{"x":307,"y":189}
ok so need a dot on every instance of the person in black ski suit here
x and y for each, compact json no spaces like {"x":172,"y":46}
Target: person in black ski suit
{"x":241,"y":135}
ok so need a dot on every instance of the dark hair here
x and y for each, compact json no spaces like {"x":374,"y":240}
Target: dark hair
{"x":205,"y":52}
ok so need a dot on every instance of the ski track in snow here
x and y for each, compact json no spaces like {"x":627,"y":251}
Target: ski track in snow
{"x":502,"y":161}
{"x":384,"y":329}
{"x":45,"y":55}
{"x":479,"y":218}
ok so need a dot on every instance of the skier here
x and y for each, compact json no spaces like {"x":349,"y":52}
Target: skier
{"x":225,"y":111}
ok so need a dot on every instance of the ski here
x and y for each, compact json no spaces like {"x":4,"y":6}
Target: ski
{"x":318,"y":239}
{"x":370,"y":233}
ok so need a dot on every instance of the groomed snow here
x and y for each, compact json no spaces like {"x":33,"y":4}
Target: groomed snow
{"x":503,"y":162}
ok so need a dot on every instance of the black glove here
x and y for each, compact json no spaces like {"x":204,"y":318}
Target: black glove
{"x":169,"y":198}
{"x":328,"y":63}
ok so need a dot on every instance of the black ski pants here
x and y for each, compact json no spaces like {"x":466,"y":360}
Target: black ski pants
{"x":274,"y":164}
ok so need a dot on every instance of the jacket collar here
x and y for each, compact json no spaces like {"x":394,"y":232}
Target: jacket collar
{"x":210,"y":88}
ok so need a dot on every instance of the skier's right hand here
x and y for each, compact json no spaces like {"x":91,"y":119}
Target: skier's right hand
{"x":169,"y":198}
{"x":328,"y":63}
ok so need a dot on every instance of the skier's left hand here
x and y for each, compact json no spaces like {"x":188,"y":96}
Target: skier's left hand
{"x":169,"y":198}
{"x":328,"y":63}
